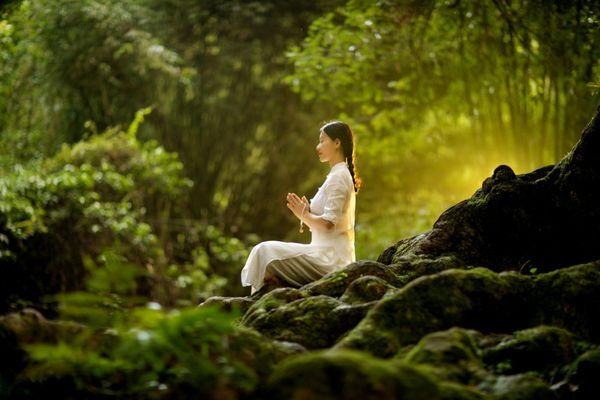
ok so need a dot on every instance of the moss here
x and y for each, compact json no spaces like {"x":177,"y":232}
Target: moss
{"x":570,"y":298}
{"x":314,"y":322}
{"x":453,"y":355}
{"x":484,"y":300}
{"x":229,"y":303}
{"x":410,"y":268}
{"x":542,"y":348}
{"x":270,"y":301}
{"x":365,"y":289}
{"x":449,"y":346}
{"x":440,"y":301}
{"x":334,"y":284}
{"x":258,"y":352}
{"x":583,"y":374}
{"x":349,"y":374}
{"x":527,"y":386}
{"x":455,"y":391}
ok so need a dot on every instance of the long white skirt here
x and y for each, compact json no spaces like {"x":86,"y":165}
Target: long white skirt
{"x":296,"y":263}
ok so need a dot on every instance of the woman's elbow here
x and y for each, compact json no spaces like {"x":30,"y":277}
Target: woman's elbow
{"x":329,"y":225}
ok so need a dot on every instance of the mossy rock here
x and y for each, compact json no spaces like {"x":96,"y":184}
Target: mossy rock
{"x":271,"y":300}
{"x":314,"y":322}
{"x":29,"y":326}
{"x":349,"y":374}
{"x":365,"y":289}
{"x":483,"y":300}
{"x":229,"y":303}
{"x":455,"y":391}
{"x":526,"y":386}
{"x":437,"y":302}
{"x":411,"y":267}
{"x":584,"y":375}
{"x":570,"y":298}
{"x":542,"y":348}
{"x":258,"y":352}
{"x":335,"y":283}
{"x":448,"y":347}
{"x":453,"y":354}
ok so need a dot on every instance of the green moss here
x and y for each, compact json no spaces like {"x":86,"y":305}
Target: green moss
{"x":455,"y":391}
{"x":335,"y":283}
{"x":449,"y":346}
{"x":527,"y":386}
{"x":542,"y":348}
{"x":270,"y":301}
{"x":349,"y":374}
{"x":436,"y":302}
{"x":452,"y":354}
{"x":314,"y":322}
{"x":365,"y":289}
{"x":584,"y":372}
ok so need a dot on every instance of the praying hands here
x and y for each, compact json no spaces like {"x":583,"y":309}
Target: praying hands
{"x":297,"y":204}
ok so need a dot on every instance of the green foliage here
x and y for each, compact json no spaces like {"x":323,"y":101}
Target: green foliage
{"x":133,"y":348}
{"x":95,"y":192}
{"x":148,"y":353}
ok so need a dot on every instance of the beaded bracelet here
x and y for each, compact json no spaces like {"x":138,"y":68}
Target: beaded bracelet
{"x":302,"y":222}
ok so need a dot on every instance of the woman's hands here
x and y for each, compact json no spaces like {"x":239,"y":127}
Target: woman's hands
{"x":296,"y":204}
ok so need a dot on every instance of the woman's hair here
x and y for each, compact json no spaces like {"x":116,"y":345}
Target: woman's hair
{"x":341,"y":130}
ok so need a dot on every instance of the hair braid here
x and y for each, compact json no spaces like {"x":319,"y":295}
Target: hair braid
{"x":354,"y":173}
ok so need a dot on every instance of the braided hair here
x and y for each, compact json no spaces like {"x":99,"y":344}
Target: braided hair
{"x":341,"y":130}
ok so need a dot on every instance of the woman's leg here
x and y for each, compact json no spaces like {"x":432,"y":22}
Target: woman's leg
{"x":296,"y":271}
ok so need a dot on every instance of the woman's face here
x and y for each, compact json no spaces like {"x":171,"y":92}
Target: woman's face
{"x":327,"y":148}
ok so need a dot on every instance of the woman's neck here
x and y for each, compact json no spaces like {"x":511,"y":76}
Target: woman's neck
{"x":334,"y":161}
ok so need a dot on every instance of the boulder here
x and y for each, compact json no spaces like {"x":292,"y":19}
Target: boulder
{"x":484,"y":300}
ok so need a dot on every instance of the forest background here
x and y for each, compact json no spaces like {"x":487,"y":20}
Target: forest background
{"x":178,"y":127}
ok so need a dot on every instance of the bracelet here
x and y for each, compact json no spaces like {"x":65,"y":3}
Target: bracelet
{"x":302,"y":222}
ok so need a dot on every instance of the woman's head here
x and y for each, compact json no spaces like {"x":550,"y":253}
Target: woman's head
{"x":336,"y":141}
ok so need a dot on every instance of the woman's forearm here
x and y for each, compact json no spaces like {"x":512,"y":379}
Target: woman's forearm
{"x":315,"y":222}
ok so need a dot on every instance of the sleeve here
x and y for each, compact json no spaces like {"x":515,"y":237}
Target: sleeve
{"x":336,"y":192}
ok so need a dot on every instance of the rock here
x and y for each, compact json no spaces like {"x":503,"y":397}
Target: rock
{"x":526,"y":386}
{"x":229,"y":303}
{"x":314,"y":322}
{"x":410,"y":268}
{"x":546,"y":219}
{"x":365,"y":289}
{"x":335,"y":283}
{"x":29,"y":326}
{"x":484,"y":300}
{"x":267,"y":287}
{"x":452,"y":354}
{"x":348,"y":375}
{"x":542,"y":348}
{"x":259,"y":353}
{"x":270,"y":301}
{"x":437,"y":302}
{"x":583,"y":376}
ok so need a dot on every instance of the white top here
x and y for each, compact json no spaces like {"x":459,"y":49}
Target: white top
{"x":335,"y":201}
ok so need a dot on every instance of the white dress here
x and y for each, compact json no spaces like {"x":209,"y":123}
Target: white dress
{"x":300,"y":263}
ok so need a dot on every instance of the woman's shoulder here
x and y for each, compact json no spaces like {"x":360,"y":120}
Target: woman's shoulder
{"x":341,"y":175}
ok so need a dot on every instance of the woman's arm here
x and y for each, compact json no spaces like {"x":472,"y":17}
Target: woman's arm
{"x":314,"y":221}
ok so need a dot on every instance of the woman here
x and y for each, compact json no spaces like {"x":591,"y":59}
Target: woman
{"x":329,"y":216}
